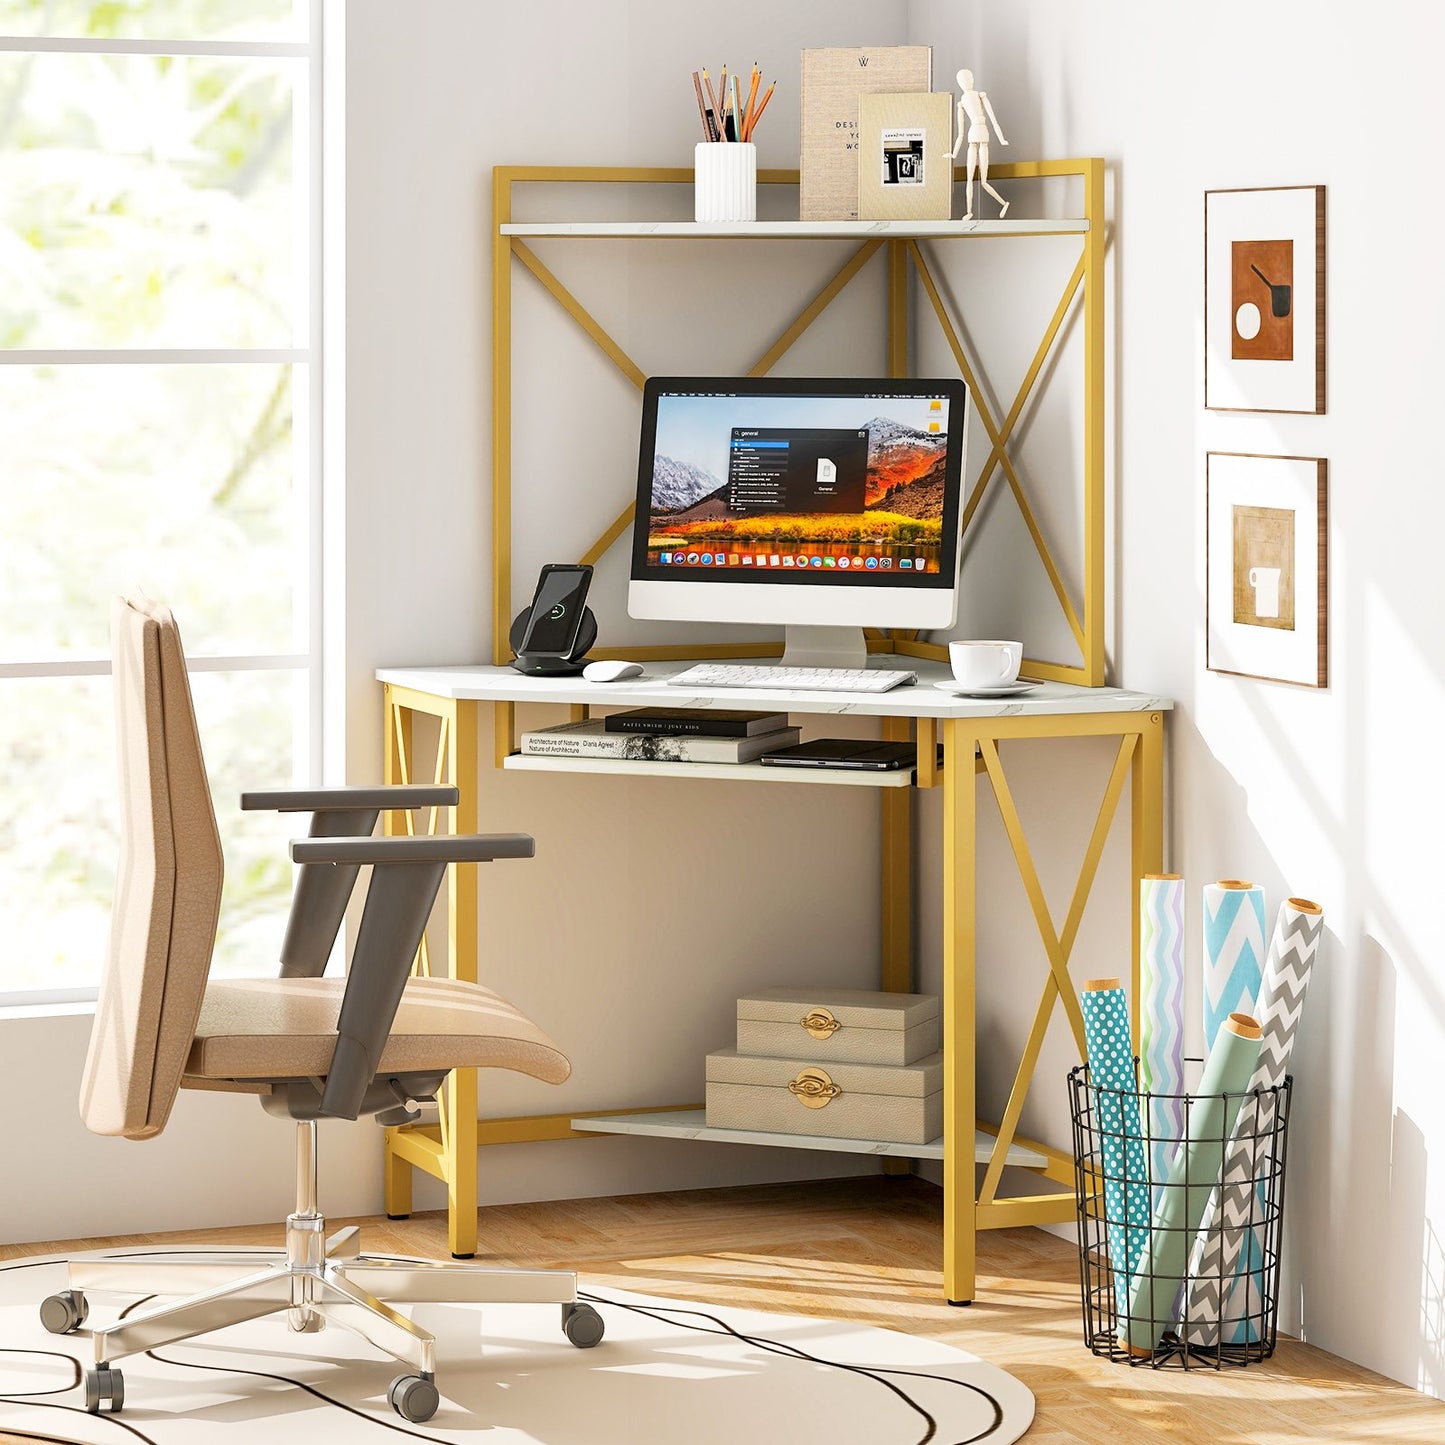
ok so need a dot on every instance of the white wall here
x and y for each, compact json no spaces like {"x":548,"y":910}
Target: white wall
{"x":646,"y":911}
{"x":1335,"y":795}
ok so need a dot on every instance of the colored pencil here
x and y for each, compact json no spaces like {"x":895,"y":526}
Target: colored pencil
{"x":752,"y":100}
{"x":716,"y":108}
{"x":758,"y":114}
{"x":737,"y":113}
{"x":702,"y":108}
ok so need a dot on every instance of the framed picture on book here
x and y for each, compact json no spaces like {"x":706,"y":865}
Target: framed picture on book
{"x":904,"y":169}
{"x":1266,"y":570}
{"x":1264,"y":299}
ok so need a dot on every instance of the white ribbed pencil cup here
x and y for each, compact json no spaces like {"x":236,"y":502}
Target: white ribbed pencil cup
{"x":725,"y":181}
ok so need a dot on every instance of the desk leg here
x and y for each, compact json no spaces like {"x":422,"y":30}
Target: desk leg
{"x":1147,"y":828}
{"x":960,"y":738}
{"x":459,"y":1095}
{"x":896,"y":975}
{"x":897,"y":805}
{"x":396,"y":768}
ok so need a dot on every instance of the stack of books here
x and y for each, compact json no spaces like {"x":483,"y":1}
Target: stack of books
{"x":667,"y":735}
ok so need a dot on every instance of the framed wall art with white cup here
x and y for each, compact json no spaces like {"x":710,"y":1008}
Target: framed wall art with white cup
{"x":1264,"y":299}
{"x":1266,"y":568}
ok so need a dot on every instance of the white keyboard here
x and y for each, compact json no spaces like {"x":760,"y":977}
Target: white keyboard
{"x":792,"y":679}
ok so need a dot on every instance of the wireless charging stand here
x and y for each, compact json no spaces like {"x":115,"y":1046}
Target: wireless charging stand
{"x":550,"y":664}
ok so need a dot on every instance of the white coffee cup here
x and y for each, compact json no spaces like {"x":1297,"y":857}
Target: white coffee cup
{"x":1265,"y":581}
{"x":985,"y":664}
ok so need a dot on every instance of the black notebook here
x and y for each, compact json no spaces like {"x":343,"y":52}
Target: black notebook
{"x":705,"y":722}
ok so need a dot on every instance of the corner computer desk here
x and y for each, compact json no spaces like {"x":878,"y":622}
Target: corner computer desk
{"x":971,"y":733}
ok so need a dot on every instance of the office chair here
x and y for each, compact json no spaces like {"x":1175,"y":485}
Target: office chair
{"x":313,"y":1048}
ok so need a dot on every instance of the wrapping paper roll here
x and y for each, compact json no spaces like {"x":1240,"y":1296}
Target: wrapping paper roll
{"x":1216,"y":1285}
{"x":1116,"y":1122}
{"x":1192,"y":1176}
{"x":1233,"y":951}
{"x":1161,"y":1013}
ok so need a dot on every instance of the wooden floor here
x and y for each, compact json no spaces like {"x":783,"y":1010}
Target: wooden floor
{"x":869,"y":1249}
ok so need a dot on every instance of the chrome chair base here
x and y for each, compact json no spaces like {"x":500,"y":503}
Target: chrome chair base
{"x":317,"y":1281}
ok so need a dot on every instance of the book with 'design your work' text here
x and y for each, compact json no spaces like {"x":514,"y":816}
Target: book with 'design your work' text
{"x":833,"y":80}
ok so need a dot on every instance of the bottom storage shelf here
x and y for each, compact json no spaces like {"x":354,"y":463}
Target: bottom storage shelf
{"x":692,"y":1124}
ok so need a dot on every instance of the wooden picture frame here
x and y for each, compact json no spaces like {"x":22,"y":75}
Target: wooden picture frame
{"x":1267,"y":567}
{"x":1264,"y":299}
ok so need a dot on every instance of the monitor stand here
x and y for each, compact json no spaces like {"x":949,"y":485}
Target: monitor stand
{"x":806,"y":646}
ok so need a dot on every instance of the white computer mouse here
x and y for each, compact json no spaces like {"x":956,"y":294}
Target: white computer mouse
{"x":611,"y":670}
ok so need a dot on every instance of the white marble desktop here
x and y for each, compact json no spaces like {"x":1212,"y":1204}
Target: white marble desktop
{"x":502,"y":684}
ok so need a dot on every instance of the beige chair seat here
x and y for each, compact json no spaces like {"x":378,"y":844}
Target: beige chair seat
{"x":268,"y":1028}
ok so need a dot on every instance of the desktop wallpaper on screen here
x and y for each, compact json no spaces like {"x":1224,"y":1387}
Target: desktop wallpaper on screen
{"x":824,"y":482}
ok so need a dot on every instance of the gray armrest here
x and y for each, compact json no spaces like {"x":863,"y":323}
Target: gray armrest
{"x":399,"y":901}
{"x":442,"y":848}
{"x":316,"y":800}
{"x":321,"y":896}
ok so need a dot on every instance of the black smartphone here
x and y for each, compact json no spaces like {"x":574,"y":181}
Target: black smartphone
{"x":557,"y":608}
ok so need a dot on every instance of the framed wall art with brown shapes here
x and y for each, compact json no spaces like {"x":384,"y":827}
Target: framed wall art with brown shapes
{"x":1266,"y":569}
{"x":1264,"y":299}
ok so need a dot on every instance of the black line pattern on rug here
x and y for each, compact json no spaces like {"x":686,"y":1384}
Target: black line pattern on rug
{"x":778,"y":1347}
{"x":660,"y":1314}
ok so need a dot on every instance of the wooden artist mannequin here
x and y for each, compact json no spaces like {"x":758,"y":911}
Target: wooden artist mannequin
{"x":975,"y":115}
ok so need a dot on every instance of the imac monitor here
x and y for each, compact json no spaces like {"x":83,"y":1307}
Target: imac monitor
{"x":808,"y":503}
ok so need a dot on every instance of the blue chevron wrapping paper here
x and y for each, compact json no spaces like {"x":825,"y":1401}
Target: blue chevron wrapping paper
{"x":1161,"y":1014}
{"x":1159,"y":1279}
{"x":1218,"y":1287}
{"x":1233,"y":951}
{"x":1116,"y":1124}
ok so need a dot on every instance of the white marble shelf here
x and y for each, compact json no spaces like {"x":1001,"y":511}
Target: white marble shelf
{"x":733,"y":772}
{"x":692,"y":1124}
{"x":797,"y":230}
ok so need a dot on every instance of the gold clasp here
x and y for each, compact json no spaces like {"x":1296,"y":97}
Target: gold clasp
{"x":814,"y":1088}
{"x":820,"y":1023}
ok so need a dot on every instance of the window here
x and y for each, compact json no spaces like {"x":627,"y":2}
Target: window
{"x":159,"y":393}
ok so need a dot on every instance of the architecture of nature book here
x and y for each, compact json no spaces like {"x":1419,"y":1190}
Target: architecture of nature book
{"x":832,"y":82}
{"x":590,"y":739}
{"x":718,"y":722}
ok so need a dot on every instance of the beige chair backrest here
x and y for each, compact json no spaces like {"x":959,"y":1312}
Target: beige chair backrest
{"x":168,"y":885}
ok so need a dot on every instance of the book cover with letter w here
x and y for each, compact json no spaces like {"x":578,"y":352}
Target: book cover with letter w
{"x":832,"y":82}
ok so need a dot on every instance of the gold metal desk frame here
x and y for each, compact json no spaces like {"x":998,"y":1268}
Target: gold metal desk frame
{"x":971,"y":745}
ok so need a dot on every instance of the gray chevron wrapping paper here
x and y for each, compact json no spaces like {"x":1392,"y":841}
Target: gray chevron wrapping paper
{"x":1154,"y":1291}
{"x":1161,"y":1014}
{"x":1233,"y":951}
{"x":1217,"y":1287}
{"x":1116,"y":1122}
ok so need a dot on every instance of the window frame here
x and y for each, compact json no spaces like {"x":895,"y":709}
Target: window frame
{"x":307,"y":438}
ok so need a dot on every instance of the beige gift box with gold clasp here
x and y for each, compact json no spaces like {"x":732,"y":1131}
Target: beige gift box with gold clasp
{"x":895,"y":1104}
{"x":836,"y":1026}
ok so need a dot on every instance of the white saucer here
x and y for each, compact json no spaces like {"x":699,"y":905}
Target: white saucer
{"x":1004,"y":689}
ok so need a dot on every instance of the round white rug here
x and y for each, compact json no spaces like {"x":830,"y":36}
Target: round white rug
{"x":667,"y":1373}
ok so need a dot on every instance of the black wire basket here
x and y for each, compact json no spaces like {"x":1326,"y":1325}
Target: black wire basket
{"x":1156,"y":1288}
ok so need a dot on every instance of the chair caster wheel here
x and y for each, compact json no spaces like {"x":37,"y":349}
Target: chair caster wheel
{"x":582,"y":1325}
{"x":414,"y":1398}
{"x":104,"y":1390}
{"x":64,"y":1313}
